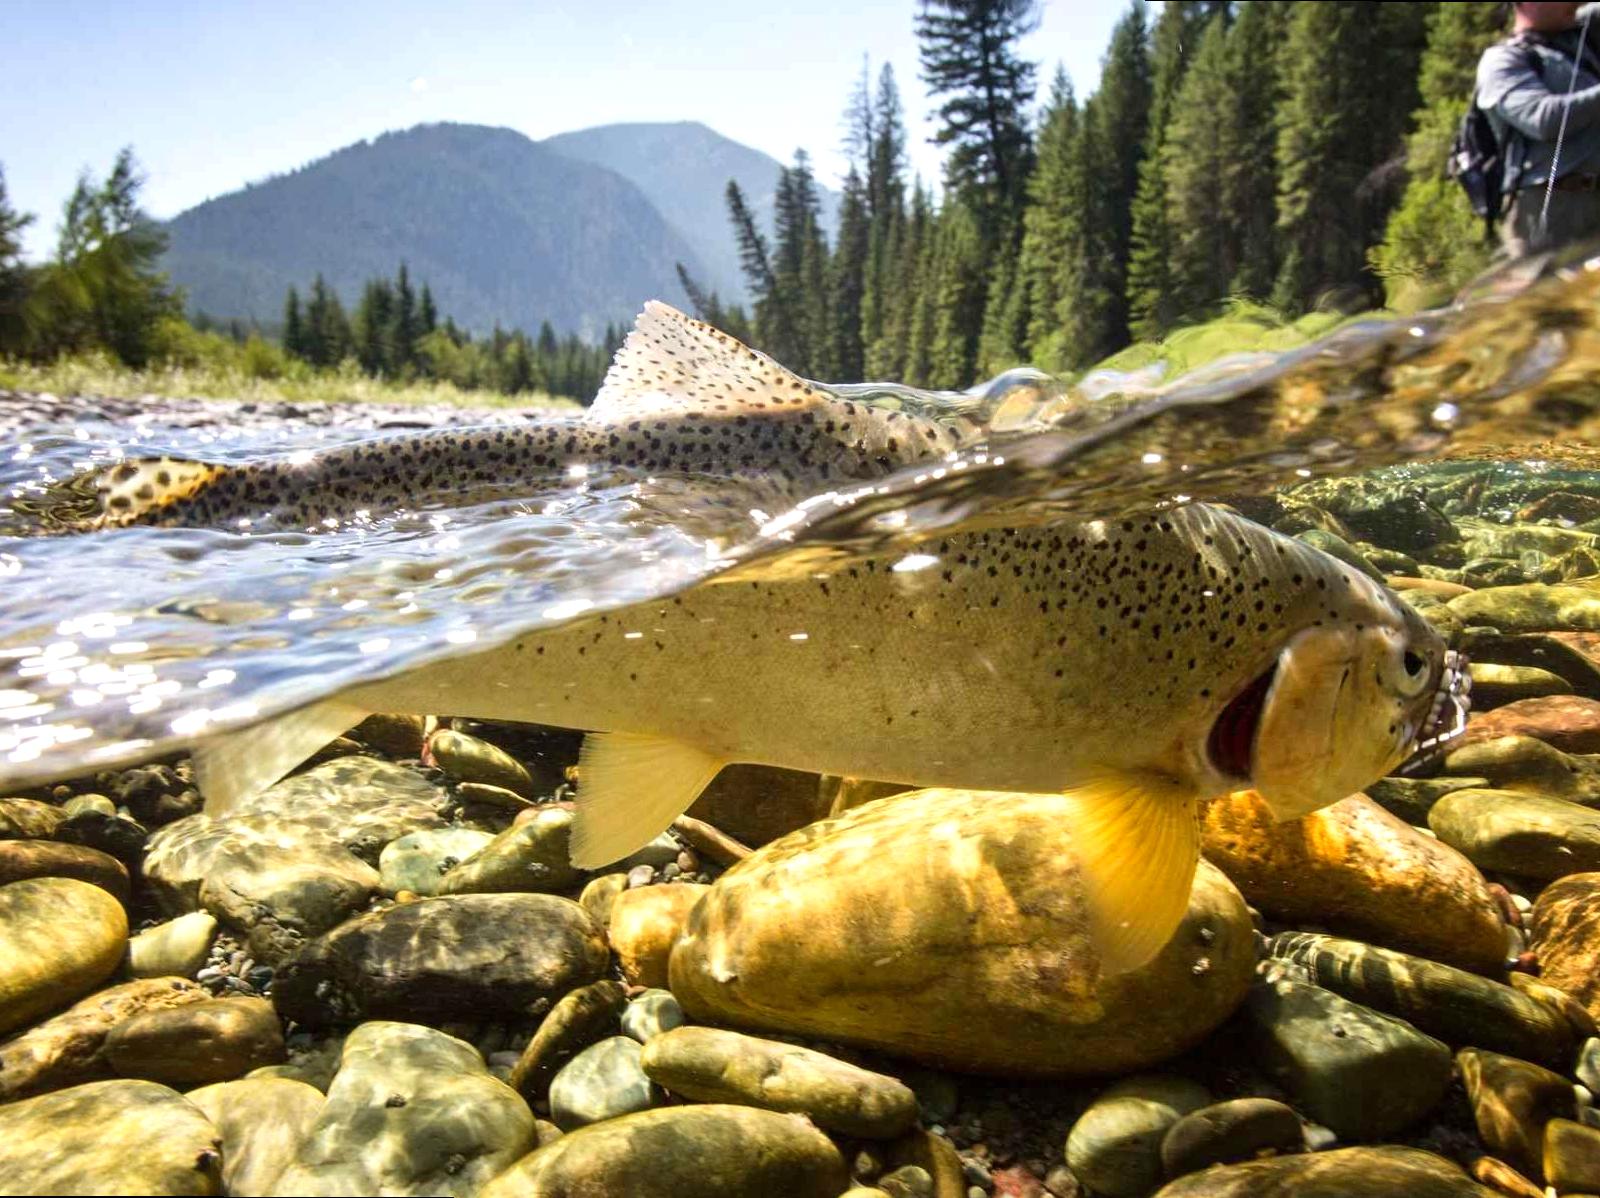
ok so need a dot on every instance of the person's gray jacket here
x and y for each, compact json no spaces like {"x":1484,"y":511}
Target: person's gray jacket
{"x":1522,"y":85}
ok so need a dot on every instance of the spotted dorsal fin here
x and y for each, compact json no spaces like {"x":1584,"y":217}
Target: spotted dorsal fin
{"x":132,"y":492}
{"x":674,"y":363}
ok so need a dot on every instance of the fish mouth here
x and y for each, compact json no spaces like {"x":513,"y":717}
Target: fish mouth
{"x":1446,"y":718}
{"x":1231,"y":745}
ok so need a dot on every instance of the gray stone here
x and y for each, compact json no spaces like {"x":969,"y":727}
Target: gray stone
{"x":603,"y":1081}
{"x":411,"y":1111}
{"x":1363,"y":1074}
{"x":587,"y":1014}
{"x":709,"y":1151}
{"x":112,"y":1137}
{"x":1587,"y":1069}
{"x":1533,"y":836}
{"x":1226,"y":1132}
{"x":1115,"y":1146}
{"x":177,"y":948}
{"x":534,"y":854}
{"x":1412,"y":798}
{"x":281,"y":895}
{"x":419,"y":861}
{"x":713,"y":1065}
{"x":650,"y":1014}
{"x":490,"y":954}
{"x":262,"y":1121}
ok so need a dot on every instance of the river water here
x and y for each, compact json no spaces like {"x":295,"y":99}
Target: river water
{"x":122,"y":644}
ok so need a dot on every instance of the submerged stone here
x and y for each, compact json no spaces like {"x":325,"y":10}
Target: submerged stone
{"x":584,"y":1016}
{"x":1511,"y":1101}
{"x":1367,"y":1172}
{"x":1534,"y":836}
{"x":262,"y":1122}
{"x":59,"y":939}
{"x":602,"y":1082}
{"x":1564,"y":932}
{"x":1115,"y":1146}
{"x":1225,"y":1132}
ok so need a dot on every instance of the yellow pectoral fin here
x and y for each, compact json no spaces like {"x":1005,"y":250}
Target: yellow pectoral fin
{"x":630,"y":789}
{"x":233,"y":767}
{"x":1138,"y":840}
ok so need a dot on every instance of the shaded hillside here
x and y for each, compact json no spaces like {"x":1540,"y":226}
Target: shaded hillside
{"x":684,"y":167}
{"x":504,"y":230}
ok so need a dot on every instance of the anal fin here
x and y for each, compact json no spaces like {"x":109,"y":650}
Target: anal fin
{"x":236,"y":766}
{"x":1137,"y":838}
{"x":630,"y":789}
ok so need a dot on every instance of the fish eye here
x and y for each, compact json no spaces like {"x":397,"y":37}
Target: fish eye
{"x":1414,"y":664}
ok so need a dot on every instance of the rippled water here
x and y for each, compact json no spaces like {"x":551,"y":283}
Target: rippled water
{"x":122,"y":644}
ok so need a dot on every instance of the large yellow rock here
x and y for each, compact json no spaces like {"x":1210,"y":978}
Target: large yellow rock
{"x":1357,"y":869}
{"x":59,"y":939}
{"x":645,"y":924}
{"x":950,"y":926}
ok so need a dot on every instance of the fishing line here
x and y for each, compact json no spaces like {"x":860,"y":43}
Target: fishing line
{"x":1561,"y":130}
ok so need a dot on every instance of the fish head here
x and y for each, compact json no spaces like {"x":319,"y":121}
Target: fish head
{"x":1345,"y":701}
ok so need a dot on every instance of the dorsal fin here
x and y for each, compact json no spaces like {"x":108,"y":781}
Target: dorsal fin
{"x":674,"y":362}
{"x":130,"y":491}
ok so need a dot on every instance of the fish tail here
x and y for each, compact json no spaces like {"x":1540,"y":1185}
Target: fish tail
{"x":137,"y":491}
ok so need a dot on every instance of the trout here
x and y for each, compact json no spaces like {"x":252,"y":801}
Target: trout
{"x":1141,"y":665}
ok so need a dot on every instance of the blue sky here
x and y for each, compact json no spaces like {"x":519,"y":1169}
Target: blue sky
{"x":213,"y":94}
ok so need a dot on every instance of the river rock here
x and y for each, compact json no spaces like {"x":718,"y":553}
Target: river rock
{"x":20,"y":859}
{"x":1338,"y":547}
{"x":419,"y":861}
{"x":69,"y":1049}
{"x":490,"y":954}
{"x":117,"y":836}
{"x":1355,"y":868}
{"x":1572,"y":1157}
{"x":1226,"y":1132}
{"x":599,"y":894}
{"x":411,"y":1111}
{"x":1533,"y":836}
{"x":1452,"y":1004}
{"x":645,"y":925}
{"x":59,"y":939}
{"x":1527,"y":764}
{"x":262,"y":1122}
{"x":756,"y":804}
{"x":1115,"y":1146}
{"x":1569,"y":722}
{"x":29,"y":819}
{"x":113,"y":1137}
{"x":650,"y":1014}
{"x":711,"y":843}
{"x":712,"y":1065}
{"x":282,"y":895}
{"x":1363,"y":1074}
{"x":1511,"y":1101}
{"x":1375,"y":1172}
{"x":1496,"y":685}
{"x":352,"y":805}
{"x":710,"y":1151}
{"x":1385,"y":510}
{"x":534,"y":854}
{"x":177,"y":948}
{"x":1412,"y":798}
{"x":198,"y":1043}
{"x":468,"y":759}
{"x":1532,"y":607}
{"x":577,"y":1021}
{"x":395,"y":733}
{"x":1564,"y":932}
{"x":602,"y":1082}
{"x":1552,"y":652}
{"x":1503,"y":1179}
{"x":986,"y":965}
{"x":1579,"y":1022}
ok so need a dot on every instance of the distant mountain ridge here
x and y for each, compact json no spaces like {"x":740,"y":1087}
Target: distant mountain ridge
{"x":579,"y":229}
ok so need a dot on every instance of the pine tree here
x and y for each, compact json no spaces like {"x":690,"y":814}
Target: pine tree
{"x":1121,"y":111}
{"x":1151,"y":300}
{"x":798,"y":334}
{"x":374,"y":325}
{"x":1350,"y":83}
{"x":1048,"y":223}
{"x":427,"y":312}
{"x":910,"y":335}
{"x":1091,"y":311}
{"x":959,"y":284}
{"x":327,"y":330}
{"x":1249,"y":143}
{"x":15,"y":277}
{"x":294,"y":335}
{"x":1433,"y":242}
{"x":886,"y":215}
{"x":407,"y":326}
{"x":847,"y":283}
{"x":1198,"y":235}
{"x":968,"y":53}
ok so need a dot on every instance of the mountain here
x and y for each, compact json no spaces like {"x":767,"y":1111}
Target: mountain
{"x":684,"y":167}
{"x":502,"y":228}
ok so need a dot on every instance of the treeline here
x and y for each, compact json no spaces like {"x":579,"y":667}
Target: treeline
{"x":1254,"y":150}
{"x":396,"y":333}
{"x":102,"y":291}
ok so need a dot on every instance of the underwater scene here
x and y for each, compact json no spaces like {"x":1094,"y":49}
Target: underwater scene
{"x":755,"y":787}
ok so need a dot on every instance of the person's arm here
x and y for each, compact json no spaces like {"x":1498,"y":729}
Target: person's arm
{"x":1509,"y":86}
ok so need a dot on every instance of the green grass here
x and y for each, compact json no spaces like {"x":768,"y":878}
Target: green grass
{"x":100,"y":374}
{"x":1245,"y":327}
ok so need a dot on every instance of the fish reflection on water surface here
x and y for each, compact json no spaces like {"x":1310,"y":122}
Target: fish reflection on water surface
{"x":914,"y":594}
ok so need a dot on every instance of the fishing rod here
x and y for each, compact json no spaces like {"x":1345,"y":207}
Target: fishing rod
{"x":1566,"y":111}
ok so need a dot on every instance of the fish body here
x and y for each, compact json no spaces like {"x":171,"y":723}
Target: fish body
{"x":1141,"y":665}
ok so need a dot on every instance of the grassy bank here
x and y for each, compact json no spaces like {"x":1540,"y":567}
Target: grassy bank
{"x":100,"y":374}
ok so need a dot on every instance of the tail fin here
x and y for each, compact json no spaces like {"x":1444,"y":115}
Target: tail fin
{"x":130,"y":492}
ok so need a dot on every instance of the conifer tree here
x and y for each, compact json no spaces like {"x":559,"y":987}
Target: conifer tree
{"x":968,"y":53}
{"x":1152,"y":306}
{"x":958,"y":283}
{"x":799,"y":332}
{"x":886,"y":201}
{"x":847,"y":284}
{"x":1198,"y":232}
{"x":911,"y":332}
{"x":1350,"y":84}
{"x":407,"y":326}
{"x":1091,"y":309}
{"x":427,"y":312}
{"x":294,"y":335}
{"x":1249,"y":144}
{"x":327,"y":332}
{"x":374,"y":325}
{"x":14,"y":274}
{"x":1048,"y":223}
